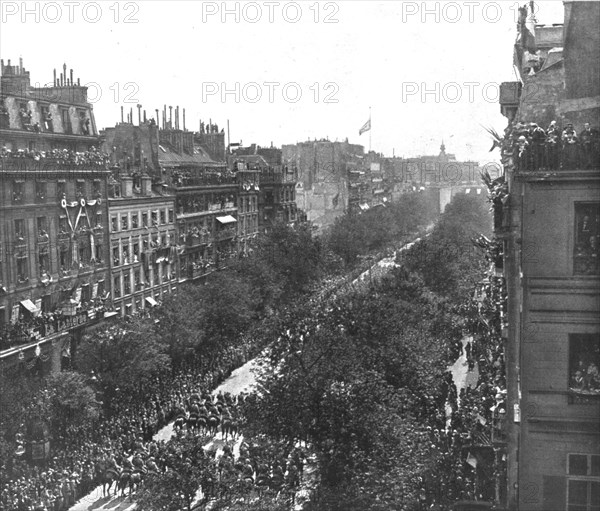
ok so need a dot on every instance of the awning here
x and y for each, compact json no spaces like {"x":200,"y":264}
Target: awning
{"x":30,"y":306}
{"x":109,"y":314}
{"x":151,"y":301}
{"x":364,"y":207}
{"x":227,"y":219}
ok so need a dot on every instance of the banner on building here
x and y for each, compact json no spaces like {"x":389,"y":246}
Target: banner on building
{"x":77,"y":296}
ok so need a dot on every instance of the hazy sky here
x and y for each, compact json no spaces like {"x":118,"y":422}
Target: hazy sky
{"x":429,"y":70}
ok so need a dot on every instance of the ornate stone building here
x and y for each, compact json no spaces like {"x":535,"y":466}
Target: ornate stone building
{"x":54,"y":272}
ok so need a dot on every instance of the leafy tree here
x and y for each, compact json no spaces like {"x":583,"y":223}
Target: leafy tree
{"x":180,"y":323}
{"x":126,"y":355}
{"x":70,"y":400}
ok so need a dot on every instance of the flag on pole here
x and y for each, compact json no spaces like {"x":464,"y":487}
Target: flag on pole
{"x":366,"y":127}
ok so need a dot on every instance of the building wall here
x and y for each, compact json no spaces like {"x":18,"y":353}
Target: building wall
{"x":136,"y":246}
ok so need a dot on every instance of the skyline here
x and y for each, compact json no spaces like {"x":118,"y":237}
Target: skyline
{"x":187,"y":56}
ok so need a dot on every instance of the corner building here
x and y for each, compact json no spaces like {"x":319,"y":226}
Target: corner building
{"x":549,"y":223}
{"x":54,"y":273}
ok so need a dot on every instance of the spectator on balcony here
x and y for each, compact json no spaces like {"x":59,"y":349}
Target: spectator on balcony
{"x":553,"y":147}
{"x":537,"y":137}
{"x":586,"y":137}
{"x":522,"y":153}
{"x":570,"y":154}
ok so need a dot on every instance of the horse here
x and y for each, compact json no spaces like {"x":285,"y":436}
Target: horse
{"x":107,"y":475}
{"x":192,"y":422}
{"x":125,"y":481}
{"x":213,"y":424}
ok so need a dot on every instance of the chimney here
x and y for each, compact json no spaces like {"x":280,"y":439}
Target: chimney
{"x":146,"y":185}
{"x":145,"y":119}
{"x":171,"y":117}
{"x":157,"y":118}
{"x":71,"y":72}
{"x":131,"y":115}
{"x":55,"y":84}
{"x":21,"y":64}
{"x":121,"y":114}
{"x":61,"y":80}
{"x":65,"y":73}
{"x":139,"y":107}
{"x":126,"y":186}
{"x":184,"y":119}
{"x":78,"y":82}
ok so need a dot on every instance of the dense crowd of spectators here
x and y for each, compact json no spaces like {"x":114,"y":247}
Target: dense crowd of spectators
{"x":127,"y":427}
{"x":554,"y":148}
{"x":67,"y":157}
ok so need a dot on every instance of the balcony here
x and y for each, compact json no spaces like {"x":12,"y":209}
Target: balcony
{"x":226,"y":234}
{"x":532,"y":149}
{"x":182,"y":178}
{"x":36,"y":329}
{"x":56,"y":159}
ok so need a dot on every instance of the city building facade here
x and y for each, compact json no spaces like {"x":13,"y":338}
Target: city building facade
{"x":143,"y":255}
{"x":54,"y":266}
{"x":547,"y":215}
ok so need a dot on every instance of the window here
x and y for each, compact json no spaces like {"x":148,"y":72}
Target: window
{"x":98,"y":219}
{"x":80,"y":188}
{"x":42,"y":228}
{"x":584,"y":361}
{"x":61,"y":189}
{"x":64,"y":259}
{"x":127,"y":283}
{"x":155,"y":218}
{"x":40,"y":191}
{"x":116,"y":256}
{"x":137,"y":279}
{"x":63,"y":225}
{"x":20,"y":230}
{"x":86,"y":293}
{"x":144,"y":219}
{"x":84,"y":250}
{"x":163,"y":217}
{"x":114,"y":224}
{"x":18,"y":192}
{"x":117,"y":286}
{"x":43,"y":260}
{"x":22,"y":273}
{"x":135,"y":220}
{"x":98,"y":249}
{"x":583,"y":490}
{"x":66,"y":121}
{"x":124,"y":222}
{"x":101,"y":290}
{"x":587,"y":236}
{"x":136,"y":252}
{"x":171,"y":216}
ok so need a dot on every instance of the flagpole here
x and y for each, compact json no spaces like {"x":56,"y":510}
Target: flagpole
{"x":371,"y":129}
